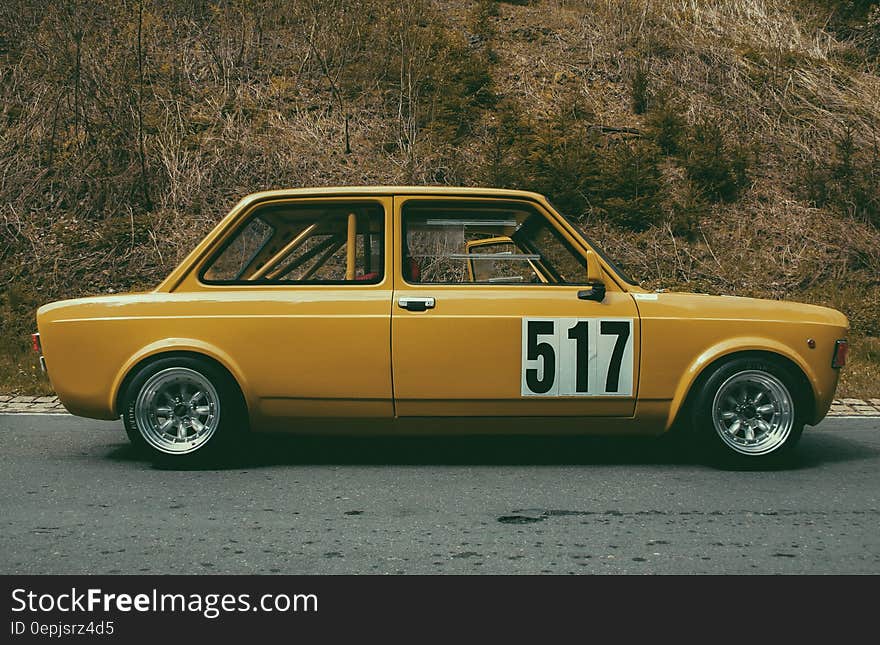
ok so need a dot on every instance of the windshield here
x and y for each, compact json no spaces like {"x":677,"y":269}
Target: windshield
{"x":614,"y":266}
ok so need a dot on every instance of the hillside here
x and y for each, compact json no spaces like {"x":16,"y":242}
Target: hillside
{"x":727,"y":147}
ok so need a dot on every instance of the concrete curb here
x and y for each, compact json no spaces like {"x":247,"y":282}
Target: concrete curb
{"x":11,"y":404}
{"x":855,"y":407}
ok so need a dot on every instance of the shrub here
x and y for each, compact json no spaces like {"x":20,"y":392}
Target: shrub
{"x":630,"y":185}
{"x":442,"y":85}
{"x":686,"y":208}
{"x":848,"y":181}
{"x":503,"y":138}
{"x":480,"y":15}
{"x":562,"y":159}
{"x":719,"y":169}
{"x":581,"y":169}
{"x":638,"y":87}
{"x":665,"y":125}
{"x":459,"y":93}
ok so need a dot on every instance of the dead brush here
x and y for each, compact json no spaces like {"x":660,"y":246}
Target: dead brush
{"x":118,"y":156}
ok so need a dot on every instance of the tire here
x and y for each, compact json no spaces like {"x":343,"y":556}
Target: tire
{"x":183,"y":411}
{"x":749,"y":412}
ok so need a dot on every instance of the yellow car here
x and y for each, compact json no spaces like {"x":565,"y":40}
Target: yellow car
{"x":437,"y":308}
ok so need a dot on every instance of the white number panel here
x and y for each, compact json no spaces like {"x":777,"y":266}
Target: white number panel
{"x":577,"y":357}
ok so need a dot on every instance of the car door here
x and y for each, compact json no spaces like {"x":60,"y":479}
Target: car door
{"x":298,"y":296}
{"x":510,"y":345}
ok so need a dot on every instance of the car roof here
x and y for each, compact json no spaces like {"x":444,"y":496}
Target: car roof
{"x":327,"y":191}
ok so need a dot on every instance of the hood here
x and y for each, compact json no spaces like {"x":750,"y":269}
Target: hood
{"x":702,"y":306}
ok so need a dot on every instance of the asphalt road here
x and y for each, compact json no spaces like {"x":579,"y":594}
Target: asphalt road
{"x":74,"y":499}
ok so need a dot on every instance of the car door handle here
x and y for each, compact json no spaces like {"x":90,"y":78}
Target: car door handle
{"x":415,"y":304}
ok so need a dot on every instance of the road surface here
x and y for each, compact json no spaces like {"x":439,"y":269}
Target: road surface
{"x":75,"y":499}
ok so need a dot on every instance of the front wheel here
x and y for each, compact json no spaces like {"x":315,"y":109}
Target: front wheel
{"x":749,"y":411}
{"x":183,"y":410}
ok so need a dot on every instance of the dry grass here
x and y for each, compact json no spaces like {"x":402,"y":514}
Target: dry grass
{"x":861,"y":377}
{"x":20,"y":372}
{"x":765,"y":245}
{"x":234,"y":97}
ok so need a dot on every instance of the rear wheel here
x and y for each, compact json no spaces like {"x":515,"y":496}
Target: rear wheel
{"x":749,"y":411}
{"x":183,"y":410}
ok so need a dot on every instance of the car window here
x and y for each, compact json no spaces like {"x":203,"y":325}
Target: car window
{"x":488,"y":242}
{"x":290,"y":243}
{"x":239,"y":253}
{"x":561,"y":263}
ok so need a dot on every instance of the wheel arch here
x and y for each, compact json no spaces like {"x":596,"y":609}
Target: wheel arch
{"x":157,"y":351}
{"x":702,"y":367}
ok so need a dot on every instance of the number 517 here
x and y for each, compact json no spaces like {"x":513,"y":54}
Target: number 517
{"x":577,"y":357}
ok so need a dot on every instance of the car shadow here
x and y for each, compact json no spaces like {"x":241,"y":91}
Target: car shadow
{"x":265,"y":450}
{"x":820,"y":448}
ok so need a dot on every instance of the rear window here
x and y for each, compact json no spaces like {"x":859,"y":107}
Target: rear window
{"x":290,"y":243}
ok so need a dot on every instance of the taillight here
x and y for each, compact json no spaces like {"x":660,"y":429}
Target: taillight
{"x":35,"y":339}
{"x":841,"y":349}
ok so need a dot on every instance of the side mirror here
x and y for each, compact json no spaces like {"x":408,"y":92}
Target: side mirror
{"x":595,"y":279}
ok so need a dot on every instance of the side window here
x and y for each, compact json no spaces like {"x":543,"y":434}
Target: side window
{"x":241,"y":251}
{"x":562,"y":264}
{"x":485,"y":242}
{"x":304,"y":243}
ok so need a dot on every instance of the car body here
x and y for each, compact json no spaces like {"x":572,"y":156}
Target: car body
{"x":393,"y":324}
